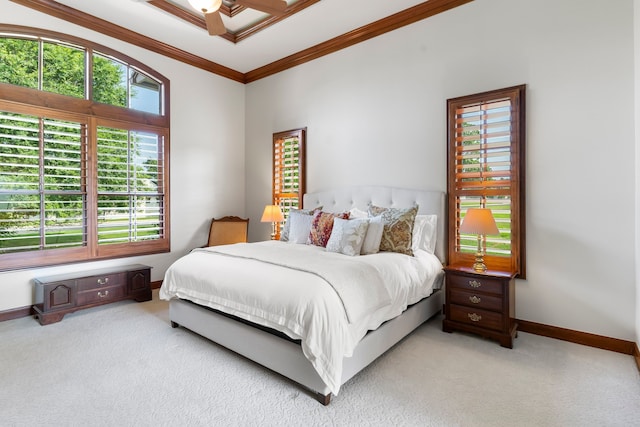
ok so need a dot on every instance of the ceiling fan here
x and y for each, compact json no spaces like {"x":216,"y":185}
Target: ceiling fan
{"x":211,"y":11}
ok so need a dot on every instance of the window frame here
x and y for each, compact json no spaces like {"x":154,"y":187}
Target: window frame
{"x":23,"y":100}
{"x":278,"y":197}
{"x":516,"y":262}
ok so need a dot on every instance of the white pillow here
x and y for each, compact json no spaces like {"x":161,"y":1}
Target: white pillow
{"x":357,"y":213}
{"x":424,"y":233}
{"x":372,"y":239}
{"x":300,"y":226}
{"x":284,"y":233}
{"x":347,"y":236}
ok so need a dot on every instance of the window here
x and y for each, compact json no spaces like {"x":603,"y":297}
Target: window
{"x":130,"y":202}
{"x":45,"y":214}
{"x":288,"y":171}
{"x":486,"y":159}
{"x":83,"y":171}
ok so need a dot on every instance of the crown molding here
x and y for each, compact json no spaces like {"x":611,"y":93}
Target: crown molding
{"x":406,"y":17}
{"x":366,"y":32}
{"x":58,"y":10}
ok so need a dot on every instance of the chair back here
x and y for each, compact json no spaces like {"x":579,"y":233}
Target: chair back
{"x":228,"y":230}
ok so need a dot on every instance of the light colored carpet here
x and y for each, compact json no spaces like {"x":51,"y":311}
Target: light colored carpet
{"x":122,"y":364}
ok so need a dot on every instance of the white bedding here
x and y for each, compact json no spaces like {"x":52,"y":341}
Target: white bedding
{"x":299,"y":303}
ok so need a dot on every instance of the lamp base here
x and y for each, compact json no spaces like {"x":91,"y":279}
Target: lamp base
{"x":479,"y":265}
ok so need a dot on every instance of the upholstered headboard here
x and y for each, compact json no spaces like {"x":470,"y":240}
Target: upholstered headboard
{"x":342,"y":199}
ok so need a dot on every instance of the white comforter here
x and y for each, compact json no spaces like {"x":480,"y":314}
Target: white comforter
{"x":297,"y":299}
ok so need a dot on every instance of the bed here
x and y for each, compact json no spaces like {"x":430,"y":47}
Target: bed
{"x":294,"y":308}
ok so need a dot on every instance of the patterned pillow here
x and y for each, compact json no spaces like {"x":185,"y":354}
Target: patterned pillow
{"x":284,"y":234}
{"x":321,"y":227}
{"x":347,"y":236}
{"x":398,"y":228}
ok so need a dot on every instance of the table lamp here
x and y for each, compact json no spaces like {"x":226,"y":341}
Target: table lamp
{"x":272,"y":214}
{"x":479,"y":221}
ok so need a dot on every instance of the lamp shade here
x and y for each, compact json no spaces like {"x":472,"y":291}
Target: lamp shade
{"x":206,"y":6}
{"x":478,"y":221}
{"x":272,"y":213}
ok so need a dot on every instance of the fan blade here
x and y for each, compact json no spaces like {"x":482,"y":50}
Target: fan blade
{"x":215,"y":26}
{"x":272,"y":7}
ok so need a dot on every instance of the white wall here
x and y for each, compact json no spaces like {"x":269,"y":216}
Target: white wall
{"x":375,"y":114}
{"x":206,"y":160}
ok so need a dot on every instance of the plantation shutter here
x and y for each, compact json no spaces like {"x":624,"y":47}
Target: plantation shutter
{"x":486,"y":170}
{"x":42,"y":183}
{"x":130,"y":167}
{"x":288,"y":171}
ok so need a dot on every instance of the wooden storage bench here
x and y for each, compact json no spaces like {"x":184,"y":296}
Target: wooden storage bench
{"x":58,"y":295}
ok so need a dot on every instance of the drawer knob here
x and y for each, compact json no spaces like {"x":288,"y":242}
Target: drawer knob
{"x":103,"y":295}
{"x":474,"y":283}
{"x":474,"y":317}
{"x":103,"y":281}
{"x":474,"y":299}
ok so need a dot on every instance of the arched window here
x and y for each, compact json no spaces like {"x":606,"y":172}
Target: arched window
{"x":84,"y":144}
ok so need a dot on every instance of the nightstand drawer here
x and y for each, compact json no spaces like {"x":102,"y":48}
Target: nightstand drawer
{"x":479,"y":318}
{"x":476,"y":283}
{"x":475,"y":299}
{"x":95,"y":282}
{"x":101,"y":295}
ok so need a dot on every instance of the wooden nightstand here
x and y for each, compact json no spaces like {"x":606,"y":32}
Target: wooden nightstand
{"x":481,"y":303}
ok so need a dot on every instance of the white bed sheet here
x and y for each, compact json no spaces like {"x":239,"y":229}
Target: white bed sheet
{"x":298,"y":303}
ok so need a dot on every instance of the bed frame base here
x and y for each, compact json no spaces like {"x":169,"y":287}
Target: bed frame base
{"x":286,"y":357}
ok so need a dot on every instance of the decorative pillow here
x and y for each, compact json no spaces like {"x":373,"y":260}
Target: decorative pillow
{"x":300,"y":227}
{"x":321,"y":227}
{"x":371,"y":243}
{"x":398,"y":228}
{"x":347,"y":236}
{"x":424,"y":233}
{"x":284,"y":234}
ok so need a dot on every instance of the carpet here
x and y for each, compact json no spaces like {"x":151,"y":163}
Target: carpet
{"x":123,"y":365}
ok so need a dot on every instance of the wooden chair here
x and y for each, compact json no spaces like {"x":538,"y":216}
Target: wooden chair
{"x":228,"y":230}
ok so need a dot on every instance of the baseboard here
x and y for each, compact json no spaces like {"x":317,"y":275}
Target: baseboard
{"x":636,"y":355}
{"x":156,"y":284}
{"x":584,"y":338}
{"x":15,"y":313}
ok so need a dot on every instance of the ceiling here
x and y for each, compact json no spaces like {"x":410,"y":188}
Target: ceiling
{"x":305,"y":25}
